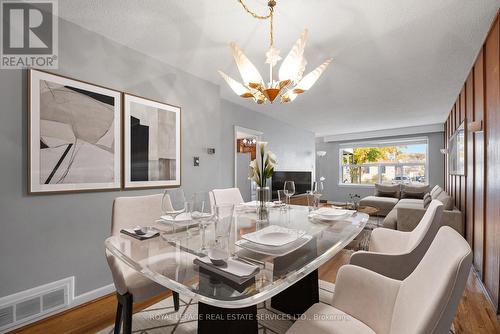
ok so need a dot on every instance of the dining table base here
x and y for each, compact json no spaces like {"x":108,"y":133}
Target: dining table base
{"x":213,"y":319}
{"x":296,"y":299}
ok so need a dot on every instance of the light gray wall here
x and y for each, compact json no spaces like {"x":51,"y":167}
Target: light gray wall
{"x":46,"y":238}
{"x":293,"y":147}
{"x":328,"y":166}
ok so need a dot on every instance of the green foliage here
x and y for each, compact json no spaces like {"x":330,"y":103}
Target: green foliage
{"x":363,"y":155}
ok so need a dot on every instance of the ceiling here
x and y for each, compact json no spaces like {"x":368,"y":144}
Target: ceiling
{"x":396,"y":63}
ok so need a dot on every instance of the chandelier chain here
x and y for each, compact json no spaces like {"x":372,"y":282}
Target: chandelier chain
{"x":253,"y":13}
{"x":269,"y":16}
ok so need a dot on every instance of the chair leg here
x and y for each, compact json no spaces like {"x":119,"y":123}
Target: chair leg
{"x":118,"y":318}
{"x":176,"y":300}
{"x":125,"y":301}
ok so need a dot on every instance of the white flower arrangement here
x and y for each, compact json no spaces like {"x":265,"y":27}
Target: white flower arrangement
{"x":262,"y":170}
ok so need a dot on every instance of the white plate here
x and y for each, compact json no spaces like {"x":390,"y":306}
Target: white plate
{"x":329,"y":213}
{"x":273,"y":235}
{"x":184,"y":219}
{"x":273,"y":250}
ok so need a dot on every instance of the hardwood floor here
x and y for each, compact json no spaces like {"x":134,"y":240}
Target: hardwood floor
{"x":474,"y":315}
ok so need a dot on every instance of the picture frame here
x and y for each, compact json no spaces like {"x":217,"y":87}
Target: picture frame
{"x":74,"y":130}
{"x":151,"y":143}
{"x":457,"y":151}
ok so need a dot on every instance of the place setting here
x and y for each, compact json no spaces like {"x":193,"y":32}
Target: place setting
{"x":215,"y":253}
{"x":274,"y":240}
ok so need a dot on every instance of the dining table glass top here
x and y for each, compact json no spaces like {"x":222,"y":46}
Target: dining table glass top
{"x":168,"y":259}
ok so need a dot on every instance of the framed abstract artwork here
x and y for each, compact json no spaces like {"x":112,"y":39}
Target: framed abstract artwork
{"x":74,"y":139}
{"x":152,"y":143}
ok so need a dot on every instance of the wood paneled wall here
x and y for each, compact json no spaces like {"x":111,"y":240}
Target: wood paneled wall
{"x":477,"y":194}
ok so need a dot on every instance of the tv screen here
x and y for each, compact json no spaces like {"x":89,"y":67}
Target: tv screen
{"x":303,"y":181}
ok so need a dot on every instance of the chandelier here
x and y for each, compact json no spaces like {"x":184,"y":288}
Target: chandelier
{"x":290,"y":81}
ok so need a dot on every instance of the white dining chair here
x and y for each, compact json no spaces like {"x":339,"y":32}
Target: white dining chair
{"x":131,"y":286}
{"x":228,"y":196}
{"x":423,"y":303}
{"x":395,"y":253}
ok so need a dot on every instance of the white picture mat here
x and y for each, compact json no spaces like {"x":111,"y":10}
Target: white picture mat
{"x":34,"y":177}
{"x":128,"y":100}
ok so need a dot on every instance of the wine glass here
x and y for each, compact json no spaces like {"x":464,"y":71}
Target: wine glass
{"x":173,"y":203}
{"x":202,"y":212}
{"x":289,"y":190}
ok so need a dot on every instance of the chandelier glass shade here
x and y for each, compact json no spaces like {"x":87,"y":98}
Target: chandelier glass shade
{"x":290,"y":81}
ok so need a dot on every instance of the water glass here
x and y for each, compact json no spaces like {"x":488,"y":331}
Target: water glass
{"x":223,"y":222}
{"x":281,"y":199}
{"x":317,"y":192}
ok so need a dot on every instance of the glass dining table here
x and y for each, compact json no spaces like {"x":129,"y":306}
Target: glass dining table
{"x":289,"y":278}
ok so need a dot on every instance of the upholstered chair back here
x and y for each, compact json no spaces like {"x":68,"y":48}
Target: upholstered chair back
{"x":427,"y":299}
{"x":129,"y":212}
{"x":426,"y":230}
{"x":228,"y":196}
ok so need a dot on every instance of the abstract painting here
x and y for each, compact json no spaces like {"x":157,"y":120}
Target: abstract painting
{"x":152,"y":139}
{"x":74,"y":130}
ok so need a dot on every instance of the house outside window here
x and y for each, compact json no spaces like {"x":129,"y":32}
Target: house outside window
{"x":402,"y":161}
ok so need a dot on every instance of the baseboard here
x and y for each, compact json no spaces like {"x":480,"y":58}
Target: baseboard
{"x":91,"y":295}
{"x":485,"y":292}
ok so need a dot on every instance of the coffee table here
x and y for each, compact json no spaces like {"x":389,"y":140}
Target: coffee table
{"x":290,"y":281}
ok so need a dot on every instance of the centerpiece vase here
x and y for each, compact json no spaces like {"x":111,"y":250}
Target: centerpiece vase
{"x":263,"y":196}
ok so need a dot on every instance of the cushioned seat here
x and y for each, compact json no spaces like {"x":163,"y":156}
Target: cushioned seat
{"x":322,"y":318}
{"x":388,"y":241}
{"x":396,"y":254}
{"x":384,"y":204}
{"x":411,"y":201}
{"x":131,"y":285}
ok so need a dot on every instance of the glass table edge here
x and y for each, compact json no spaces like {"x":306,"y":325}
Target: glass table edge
{"x":270,"y":291}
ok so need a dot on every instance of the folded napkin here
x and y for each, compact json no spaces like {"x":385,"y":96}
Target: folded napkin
{"x":234,"y":270}
{"x":150,"y":234}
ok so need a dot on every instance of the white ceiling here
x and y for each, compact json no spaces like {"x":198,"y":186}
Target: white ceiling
{"x":396,"y":63}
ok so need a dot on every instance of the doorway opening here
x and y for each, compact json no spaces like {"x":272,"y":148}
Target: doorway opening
{"x":245,"y":150}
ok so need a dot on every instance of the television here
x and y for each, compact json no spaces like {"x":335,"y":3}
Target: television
{"x":303,"y":181}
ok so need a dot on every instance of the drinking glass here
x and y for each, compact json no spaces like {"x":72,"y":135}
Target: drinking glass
{"x":289,"y":190}
{"x":282,"y":199}
{"x":317,"y":192}
{"x":202,"y":213}
{"x":223,"y":221}
{"x":173,"y":203}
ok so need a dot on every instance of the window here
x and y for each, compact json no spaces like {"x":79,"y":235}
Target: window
{"x":402,"y":161}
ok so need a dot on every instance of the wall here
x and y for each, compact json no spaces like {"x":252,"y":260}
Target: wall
{"x":328,"y":166}
{"x":477,"y":193}
{"x":50,"y":237}
{"x":294,"y":149}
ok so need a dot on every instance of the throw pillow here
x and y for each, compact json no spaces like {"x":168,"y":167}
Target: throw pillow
{"x":409,"y":191}
{"x":446,"y":200}
{"x":435,"y":191}
{"x":427,"y":200}
{"x":387,"y":190}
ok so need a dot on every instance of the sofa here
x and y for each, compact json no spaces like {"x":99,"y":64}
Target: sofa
{"x":404,"y":206}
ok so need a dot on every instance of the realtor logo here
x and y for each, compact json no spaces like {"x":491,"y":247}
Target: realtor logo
{"x":29,"y":34}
